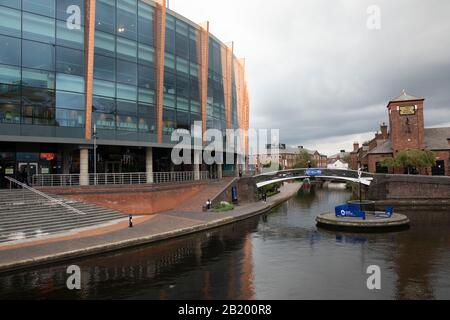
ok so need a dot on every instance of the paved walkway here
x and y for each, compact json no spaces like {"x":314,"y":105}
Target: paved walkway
{"x":117,"y":236}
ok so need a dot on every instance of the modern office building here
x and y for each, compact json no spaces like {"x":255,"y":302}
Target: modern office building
{"x":121,"y":73}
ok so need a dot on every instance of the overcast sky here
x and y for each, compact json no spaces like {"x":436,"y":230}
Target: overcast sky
{"x":317,"y":73}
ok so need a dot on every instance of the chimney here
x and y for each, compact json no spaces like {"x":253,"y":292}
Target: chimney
{"x":355,"y":147}
{"x":384,"y":131}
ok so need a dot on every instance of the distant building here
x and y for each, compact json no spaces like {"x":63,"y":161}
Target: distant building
{"x":287,"y":157}
{"x":338,"y":164}
{"x":407,"y":132}
{"x":342,"y":156}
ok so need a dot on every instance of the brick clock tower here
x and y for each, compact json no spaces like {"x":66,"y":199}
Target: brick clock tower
{"x":406,"y":122}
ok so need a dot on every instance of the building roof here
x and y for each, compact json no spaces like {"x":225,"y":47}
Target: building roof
{"x":437,"y":138}
{"x":405,"y":96}
{"x":383,"y":147}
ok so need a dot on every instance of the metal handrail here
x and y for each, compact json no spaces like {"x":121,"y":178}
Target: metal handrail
{"x":46,"y":196}
{"x":133,"y":178}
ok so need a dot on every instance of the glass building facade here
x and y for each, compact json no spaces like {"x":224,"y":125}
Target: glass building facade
{"x":52,"y":96}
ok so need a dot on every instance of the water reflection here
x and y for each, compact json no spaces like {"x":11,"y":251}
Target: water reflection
{"x":280,"y":255}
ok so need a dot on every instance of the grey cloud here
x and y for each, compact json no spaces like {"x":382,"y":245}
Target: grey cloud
{"x":315,"y":71}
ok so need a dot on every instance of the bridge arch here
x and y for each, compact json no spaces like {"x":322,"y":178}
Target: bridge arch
{"x":266,"y":179}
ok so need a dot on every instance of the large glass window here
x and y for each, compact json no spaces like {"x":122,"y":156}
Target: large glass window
{"x":73,"y":38}
{"x":182,"y":42}
{"x":38,"y":55}
{"x":10,"y":22}
{"x":69,"y":61}
{"x":126,"y":72}
{"x":105,"y":16}
{"x":169,"y":121}
{"x":145,"y":24}
{"x":9,"y":113}
{"x":69,"y":100}
{"x":70,"y":118}
{"x":104,"y":88}
{"x":146,"y":77}
{"x":170,"y":34}
{"x":126,"y":49}
{"x":169,"y":83}
{"x":146,"y":55}
{"x":126,"y":18}
{"x":182,"y":87}
{"x":104,"y":112}
{"x":67,"y":82}
{"x":17,"y":4}
{"x":10,"y":50}
{"x":9,"y":74}
{"x":105,"y":44}
{"x":42,"y":7}
{"x":146,"y":118}
{"x":10,"y":94}
{"x":126,"y":116}
{"x":38,"y":78}
{"x":104,"y":68}
{"x":38,"y":97}
{"x":38,"y":28}
{"x":126,"y":92}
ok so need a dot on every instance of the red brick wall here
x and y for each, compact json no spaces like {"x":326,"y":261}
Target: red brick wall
{"x":401,"y":139}
{"x":139,"y":202}
{"x":374,"y":158}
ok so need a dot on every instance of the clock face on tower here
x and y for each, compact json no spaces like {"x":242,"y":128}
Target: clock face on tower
{"x":407,"y":110}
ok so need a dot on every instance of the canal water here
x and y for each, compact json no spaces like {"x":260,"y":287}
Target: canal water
{"x":281,"y":255}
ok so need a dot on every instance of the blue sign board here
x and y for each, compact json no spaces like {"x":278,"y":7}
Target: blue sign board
{"x":350,"y":211}
{"x":234,"y":194}
{"x":313,"y":172}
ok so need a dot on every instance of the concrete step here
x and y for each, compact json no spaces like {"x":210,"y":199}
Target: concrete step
{"x":41,"y":217}
{"x":58,"y":217}
{"x":58,"y":225}
{"x":31,"y":233}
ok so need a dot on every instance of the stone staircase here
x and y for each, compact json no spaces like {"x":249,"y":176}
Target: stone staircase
{"x":25,"y":215}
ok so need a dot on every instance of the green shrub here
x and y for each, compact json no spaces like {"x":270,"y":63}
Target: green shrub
{"x":223,"y":207}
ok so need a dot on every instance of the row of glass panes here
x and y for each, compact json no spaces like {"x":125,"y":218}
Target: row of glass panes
{"x":128,"y":18}
{"x":51,"y":8}
{"x":181,"y":65}
{"x":39,"y":28}
{"x":42,"y":56}
{"x":32,"y":115}
{"x":41,"y":79}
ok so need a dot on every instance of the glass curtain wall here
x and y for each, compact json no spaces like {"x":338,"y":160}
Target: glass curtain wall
{"x":124,"y":69}
{"x":181,"y":77}
{"x":42,"y":63}
{"x":215,"y":109}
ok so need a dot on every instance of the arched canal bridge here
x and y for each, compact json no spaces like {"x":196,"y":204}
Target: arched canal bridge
{"x":265,"y":179}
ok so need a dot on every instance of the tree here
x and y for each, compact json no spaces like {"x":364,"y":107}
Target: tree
{"x":411,"y":159}
{"x":347,"y":159}
{"x":304,"y":160}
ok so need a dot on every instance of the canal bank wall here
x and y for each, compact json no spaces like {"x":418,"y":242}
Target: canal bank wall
{"x":161,"y":227}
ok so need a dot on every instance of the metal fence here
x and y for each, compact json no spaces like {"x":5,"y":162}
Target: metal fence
{"x":135,"y":178}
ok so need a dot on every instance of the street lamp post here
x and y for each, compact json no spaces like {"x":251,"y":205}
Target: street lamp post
{"x":94,"y":136}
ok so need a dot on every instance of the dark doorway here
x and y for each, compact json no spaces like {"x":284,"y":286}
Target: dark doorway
{"x":439,"y":169}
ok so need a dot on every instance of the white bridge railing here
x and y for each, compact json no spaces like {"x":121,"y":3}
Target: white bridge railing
{"x":135,"y":178}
